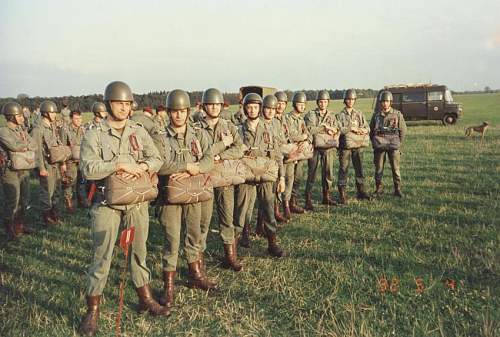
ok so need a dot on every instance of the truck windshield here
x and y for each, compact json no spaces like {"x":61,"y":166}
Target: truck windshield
{"x":447,"y":96}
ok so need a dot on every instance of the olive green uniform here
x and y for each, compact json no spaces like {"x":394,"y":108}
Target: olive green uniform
{"x":236,"y":118}
{"x":347,"y":120}
{"x":145,"y":120}
{"x":224,"y":196}
{"x":178,"y":150}
{"x":296,"y":128}
{"x":392,"y":119}
{"x":261,"y":142}
{"x":47,"y":134}
{"x":92,"y":124}
{"x":15,"y":183}
{"x":314,"y":122}
{"x":73,"y":137}
{"x":65,"y":116}
{"x":102,"y":149}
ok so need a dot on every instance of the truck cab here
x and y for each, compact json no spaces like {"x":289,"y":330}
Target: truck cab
{"x":424,"y":102}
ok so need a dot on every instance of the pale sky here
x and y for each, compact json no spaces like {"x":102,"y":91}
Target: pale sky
{"x":56,"y":48}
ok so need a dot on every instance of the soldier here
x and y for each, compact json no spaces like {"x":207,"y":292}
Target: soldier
{"x":72,"y":136}
{"x":46,"y":134}
{"x":297,"y":133}
{"x":186,"y":153}
{"x":100,"y":113}
{"x":118,"y":146}
{"x":320,"y":120}
{"x":351,"y":121}
{"x":385,"y":122}
{"x":282,"y":131}
{"x":269,"y":105}
{"x":226,"y":143}
{"x":15,"y":183}
{"x":146,"y":119}
{"x":161,"y":117}
{"x":65,"y":112}
{"x":261,"y":142}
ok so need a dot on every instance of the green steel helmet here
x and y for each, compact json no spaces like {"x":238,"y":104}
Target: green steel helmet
{"x":118,"y":91}
{"x":281,"y":96}
{"x":177,"y":100}
{"x":98,"y":107}
{"x":11,"y":109}
{"x":212,"y":96}
{"x":385,"y":96}
{"x":48,"y":106}
{"x":299,"y":97}
{"x":270,"y":101}
{"x":252,"y":97}
{"x":323,"y":94}
{"x":350,"y":93}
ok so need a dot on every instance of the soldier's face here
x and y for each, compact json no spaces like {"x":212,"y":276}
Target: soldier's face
{"x":103,"y":114}
{"x":120,"y":109}
{"x":280,"y":108}
{"x":178,"y":118}
{"x":323,"y":104}
{"x":19,"y":119}
{"x":252,"y":110}
{"x":349,"y":102}
{"x":52,"y":116}
{"x":212,"y":110}
{"x":269,"y":113}
{"x":76,"y":120}
{"x":385,"y":105}
{"x":300,"y":107}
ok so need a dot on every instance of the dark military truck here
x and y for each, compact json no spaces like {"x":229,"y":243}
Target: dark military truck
{"x":424,"y":102}
{"x":262,"y":91}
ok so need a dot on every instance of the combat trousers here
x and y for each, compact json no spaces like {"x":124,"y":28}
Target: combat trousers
{"x":245,"y":195}
{"x":293,"y":179}
{"x":326,"y":158}
{"x":50,"y":188}
{"x":105,"y":229}
{"x":77,"y":182}
{"x":265,"y":198}
{"x":224,"y":205}
{"x":172,"y":217}
{"x":16,"y":191}
{"x":345,"y":157}
{"x":394,"y":161}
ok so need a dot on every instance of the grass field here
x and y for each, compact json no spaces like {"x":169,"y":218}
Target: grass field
{"x":446,"y":229}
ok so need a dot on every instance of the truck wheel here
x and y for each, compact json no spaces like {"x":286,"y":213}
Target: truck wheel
{"x":449,"y":119}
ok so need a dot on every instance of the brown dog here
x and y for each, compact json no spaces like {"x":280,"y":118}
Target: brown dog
{"x":480,"y":129}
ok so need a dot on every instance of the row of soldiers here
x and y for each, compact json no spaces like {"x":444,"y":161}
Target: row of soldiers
{"x":186,"y":146}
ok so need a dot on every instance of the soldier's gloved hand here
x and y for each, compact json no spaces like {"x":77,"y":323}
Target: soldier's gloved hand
{"x":227,"y":139}
{"x":193,"y":168}
{"x":131,"y":170}
{"x":280,"y":188}
{"x":44,"y":173}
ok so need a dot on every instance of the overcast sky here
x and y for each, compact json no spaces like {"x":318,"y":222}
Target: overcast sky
{"x":55,"y":48}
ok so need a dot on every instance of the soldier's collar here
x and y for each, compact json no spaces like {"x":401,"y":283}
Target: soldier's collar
{"x":172,"y":133}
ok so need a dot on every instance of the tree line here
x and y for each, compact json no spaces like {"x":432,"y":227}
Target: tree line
{"x":155,"y":98}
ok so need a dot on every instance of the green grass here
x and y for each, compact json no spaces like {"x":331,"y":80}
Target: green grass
{"x":445,"y":228}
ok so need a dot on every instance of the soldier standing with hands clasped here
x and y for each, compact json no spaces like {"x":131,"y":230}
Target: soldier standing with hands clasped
{"x":186,"y":152}
{"x":118,"y":146}
{"x":14,"y":179}
{"x":387,"y":132}
{"x":354,"y":137}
